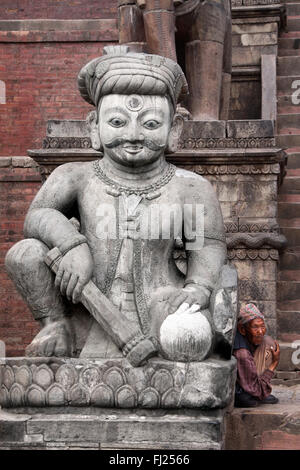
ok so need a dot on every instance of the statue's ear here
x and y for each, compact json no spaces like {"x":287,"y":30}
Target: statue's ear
{"x":175,"y":133}
{"x":91,"y":122}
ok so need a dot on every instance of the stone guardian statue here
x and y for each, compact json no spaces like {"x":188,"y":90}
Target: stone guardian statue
{"x":97,"y":264}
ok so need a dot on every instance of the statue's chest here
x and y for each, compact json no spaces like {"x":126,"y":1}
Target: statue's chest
{"x":130,"y":216}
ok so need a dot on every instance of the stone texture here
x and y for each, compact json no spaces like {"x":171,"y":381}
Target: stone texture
{"x":67,"y":128}
{"x":268,"y":84}
{"x":120,"y":429}
{"x":268,"y":427}
{"x":115,"y":383}
{"x":203,"y":129}
{"x":253,"y":128}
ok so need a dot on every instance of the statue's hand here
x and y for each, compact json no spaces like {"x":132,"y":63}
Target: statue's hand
{"x":191,"y":294}
{"x":74,"y":272}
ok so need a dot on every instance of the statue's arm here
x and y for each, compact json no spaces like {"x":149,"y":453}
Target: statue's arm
{"x":207,"y":253}
{"x":46,"y":219}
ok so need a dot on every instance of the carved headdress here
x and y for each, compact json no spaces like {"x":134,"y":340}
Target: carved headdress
{"x":120,"y":71}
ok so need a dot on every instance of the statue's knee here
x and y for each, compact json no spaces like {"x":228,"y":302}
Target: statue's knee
{"x":25,"y":254}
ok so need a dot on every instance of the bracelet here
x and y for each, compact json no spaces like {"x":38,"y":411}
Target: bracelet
{"x":133,"y":342}
{"x":68,"y":244}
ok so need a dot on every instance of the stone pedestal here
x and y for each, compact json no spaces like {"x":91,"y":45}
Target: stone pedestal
{"x":48,"y":382}
{"x":109,"y":429}
{"x":108,"y":404}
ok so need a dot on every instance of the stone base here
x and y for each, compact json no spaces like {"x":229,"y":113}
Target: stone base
{"x":267,"y":427}
{"x":110,"y":429}
{"x":114,"y":383}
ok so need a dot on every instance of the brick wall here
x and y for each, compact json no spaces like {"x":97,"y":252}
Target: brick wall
{"x":19,"y":181}
{"x":57,"y":9}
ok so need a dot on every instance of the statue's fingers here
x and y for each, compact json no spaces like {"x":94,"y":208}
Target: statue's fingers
{"x":173,"y":300}
{"x":64,"y":282}
{"x":178,"y":301}
{"x":77,"y":292}
{"x":183,"y":308}
{"x":58,"y":277}
{"x":71,"y":286}
{"x":193,"y":308}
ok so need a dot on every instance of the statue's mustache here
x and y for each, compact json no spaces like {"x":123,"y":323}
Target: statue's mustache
{"x":146,"y":142}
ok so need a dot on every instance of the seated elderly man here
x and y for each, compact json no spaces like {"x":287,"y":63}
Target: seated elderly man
{"x":257,"y":357}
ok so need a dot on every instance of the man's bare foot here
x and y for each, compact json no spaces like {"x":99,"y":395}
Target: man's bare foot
{"x":54,"y":339}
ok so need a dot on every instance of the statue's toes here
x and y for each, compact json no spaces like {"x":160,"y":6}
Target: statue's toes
{"x":49,"y":347}
{"x":31,"y":350}
{"x":61,"y":348}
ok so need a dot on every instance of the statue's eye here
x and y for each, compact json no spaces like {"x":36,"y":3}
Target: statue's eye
{"x":151,"y":124}
{"x":116,"y":122}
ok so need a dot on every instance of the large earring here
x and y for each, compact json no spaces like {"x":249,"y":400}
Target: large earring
{"x":92,"y":125}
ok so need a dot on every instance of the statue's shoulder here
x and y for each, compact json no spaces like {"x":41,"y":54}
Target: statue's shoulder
{"x":190,"y":186}
{"x":74,"y":171}
{"x":185,"y":176}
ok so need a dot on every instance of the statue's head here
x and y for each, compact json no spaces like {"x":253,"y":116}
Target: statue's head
{"x":135,"y":96}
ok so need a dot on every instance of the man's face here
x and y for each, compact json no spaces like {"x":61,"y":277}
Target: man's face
{"x":134,"y":129}
{"x":254,"y":331}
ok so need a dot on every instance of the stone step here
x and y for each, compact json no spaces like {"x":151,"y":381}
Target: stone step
{"x":293,"y":23}
{"x":293,"y":9}
{"x":288,"y":122}
{"x":284,"y":84}
{"x":288,"y":66}
{"x":288,"y":140}
{"x":293,"y":235}
{"x":288,"y":211}
{"x":111,"y":429}
{"x":290,"y":259}
{"x":266,"y":427}
{"x":288,"y":323}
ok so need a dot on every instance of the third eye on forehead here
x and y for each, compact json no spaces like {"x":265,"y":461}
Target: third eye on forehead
{"x":134,"y":103}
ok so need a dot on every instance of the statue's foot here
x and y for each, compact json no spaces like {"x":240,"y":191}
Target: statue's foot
{"x":54,"y":339}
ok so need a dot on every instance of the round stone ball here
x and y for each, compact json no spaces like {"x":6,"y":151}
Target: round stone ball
{"x":185,"y":337}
